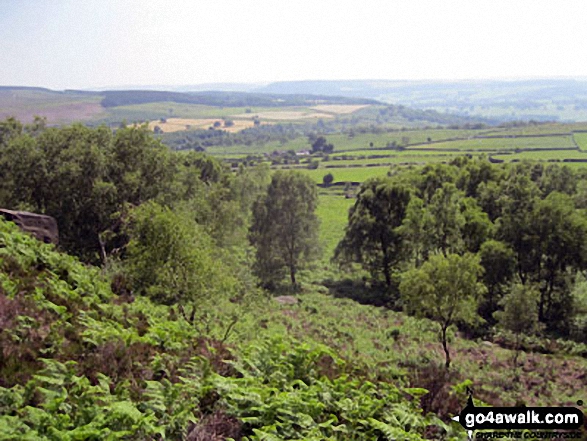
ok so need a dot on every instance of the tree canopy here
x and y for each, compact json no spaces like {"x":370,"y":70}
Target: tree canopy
{"x":284,"y":229}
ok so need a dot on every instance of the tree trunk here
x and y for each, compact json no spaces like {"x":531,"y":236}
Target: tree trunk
{"x":292,"y":275}
{"x":387,"y":272}
{"x":445,"y":347}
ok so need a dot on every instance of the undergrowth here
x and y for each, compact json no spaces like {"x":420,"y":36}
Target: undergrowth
{"x":78,"y":362}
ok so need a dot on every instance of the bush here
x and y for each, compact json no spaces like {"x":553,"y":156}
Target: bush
{"x":171,"y":258}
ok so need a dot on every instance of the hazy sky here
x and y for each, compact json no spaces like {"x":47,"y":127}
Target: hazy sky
{"x":99,"y":43}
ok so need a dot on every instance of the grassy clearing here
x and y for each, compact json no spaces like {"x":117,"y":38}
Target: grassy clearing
{"x":376,"y":143}
{"x":343,"y":142}
{"x":545,"y":129}
{"x":291,"y":114}
{"x":394,"y":345}
{"x":365,"y":154}
{"x":332,"y":211}
{"x":297,"y":144}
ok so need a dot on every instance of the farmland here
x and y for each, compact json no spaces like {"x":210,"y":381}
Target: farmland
{"x":357,"y":156}
{"x":168,"y":125}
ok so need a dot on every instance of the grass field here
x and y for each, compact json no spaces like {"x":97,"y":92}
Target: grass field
{"x":406,"y":158}
{"x":290,"y":114}
{"x":581,"y":140}
{"x":547,"y":155}
{"x":544,"y":129}
{"x":497,"y":144}
{"x":357,"y":144}
{"x":351,"y":174}
{"x":297,"y":144}
{"x":332,"y":211}
{"x":155,"y":111}
{"x":417,"y":140}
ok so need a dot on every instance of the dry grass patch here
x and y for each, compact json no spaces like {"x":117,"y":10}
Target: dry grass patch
{"x":179,"y":124}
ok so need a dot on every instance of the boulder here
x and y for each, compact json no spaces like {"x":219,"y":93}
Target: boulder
{"x":286,"y":300}
{"x":42,"y":227}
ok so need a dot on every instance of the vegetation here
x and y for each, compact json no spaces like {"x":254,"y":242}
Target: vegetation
{"x":285,"y":227}
{"x":152,"y":319}
{"x":446,"y":289}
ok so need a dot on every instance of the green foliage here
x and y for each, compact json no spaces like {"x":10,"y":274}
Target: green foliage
{"x":498,"y":262}
{"x":520,"y":310}
{"x":288,"y":390}
{"x":446,"y":289}
{"x":67,"y":408}
{"x":171,"y":259}
{"x":328,"y":179}
{"x":372,"y":236}
{"x":320,"y":145}
{"x":86,"y":178}
{"x":285,"y":227}
{"x":520,"y":313}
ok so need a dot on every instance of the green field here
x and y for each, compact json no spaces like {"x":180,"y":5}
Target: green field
{"x":333,"y":214}
{"x":153,"y":111}
{"x":497,"y":144}
{"x":581,"y":140}
{"x":366,"y":144}
{"x":399,"y":159}
{"x":547,"y":155}
{"x":362,"y":141}
{"x":354,"y":161}
{"x":350,"y":174}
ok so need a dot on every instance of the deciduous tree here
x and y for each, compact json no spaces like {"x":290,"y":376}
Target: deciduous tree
{"x":373,"y":237}
{"x":445,"y":289}
{"x":284,"y":229}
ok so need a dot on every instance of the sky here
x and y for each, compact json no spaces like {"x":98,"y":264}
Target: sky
{"x":82,"y":44}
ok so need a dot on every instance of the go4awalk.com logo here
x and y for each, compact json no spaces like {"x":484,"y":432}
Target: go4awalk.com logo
{"x":521,"y":422}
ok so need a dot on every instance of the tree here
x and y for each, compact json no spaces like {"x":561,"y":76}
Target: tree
{"x":560,"y":234}
{"x":171,"y":259}
{"x":321,"y":145}
{"x":498,"y":261}
{"x":328,"y":179}
{"x":518,"y":195}
{"x":520,"y":313}
{"x":445,"y":289}
{"x":285,"y":227}
{"x":372,"y":237}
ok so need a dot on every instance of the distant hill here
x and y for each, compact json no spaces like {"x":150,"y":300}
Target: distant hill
{"x":544,"y":99}
{"x":226,"y":99}
{"x":116,"y":106}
